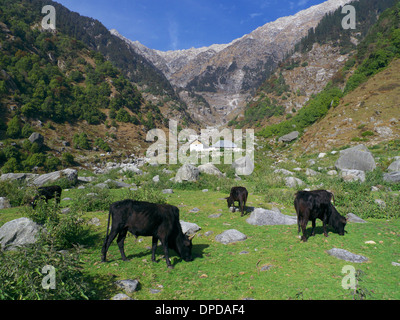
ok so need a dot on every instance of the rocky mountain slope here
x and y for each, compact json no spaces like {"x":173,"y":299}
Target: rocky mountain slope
{"x":226,"y":75}
{"x":369,"y":115}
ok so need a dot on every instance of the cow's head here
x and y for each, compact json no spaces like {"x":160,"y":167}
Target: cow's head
{"x":230,"y":201}
{"x":185,"y":250}
{"x":337,"y":221}
{"x":32,"y":202}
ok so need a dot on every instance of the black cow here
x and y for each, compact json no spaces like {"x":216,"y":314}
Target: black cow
{"x":161,"y":221}
{"x":311,"y":205}
{"x":238,"y":194}
{"x":47,"y":193}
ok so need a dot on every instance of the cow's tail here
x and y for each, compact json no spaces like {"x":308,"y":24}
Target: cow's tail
{"x":108,"y":224}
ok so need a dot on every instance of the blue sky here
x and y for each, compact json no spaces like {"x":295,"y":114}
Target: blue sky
{"x":182,"y":24}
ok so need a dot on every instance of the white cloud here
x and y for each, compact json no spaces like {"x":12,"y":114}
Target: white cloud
{"x":256,"y":14}
{"x":302,"y":3}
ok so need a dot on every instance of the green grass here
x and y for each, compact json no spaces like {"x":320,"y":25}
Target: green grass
{"x":298,"y":270}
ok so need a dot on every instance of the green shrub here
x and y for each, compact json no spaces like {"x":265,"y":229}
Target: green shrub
{"x":67,"y":159}
{"x":16,"y":192}
{"x":97,"y":200}
{"x":367,"y":133}
{"x":102,"y":145}
{"x":81,"y":141}
{"x":14,"y":128}
{"x":62,"y":230}
{"x":21,"y":274}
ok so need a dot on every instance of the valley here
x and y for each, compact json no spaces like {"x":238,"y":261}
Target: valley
{"x":76,"y":108}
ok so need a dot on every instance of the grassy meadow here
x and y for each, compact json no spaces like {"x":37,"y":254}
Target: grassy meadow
{"x":272,"y":263}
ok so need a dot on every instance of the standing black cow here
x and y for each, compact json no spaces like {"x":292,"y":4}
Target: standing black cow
{"x":47,"y":193}
{"x":160,"y":221}
{"x":311,"y":205}
{"x":238,"y":194}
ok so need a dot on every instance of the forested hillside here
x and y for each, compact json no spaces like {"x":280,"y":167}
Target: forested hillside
{"x":54,"y":78}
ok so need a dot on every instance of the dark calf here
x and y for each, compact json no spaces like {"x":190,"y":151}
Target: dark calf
{"x":47,"y":193}
{"x":311,"y":205}
{"x":160,"y":221}
{"x":238,"y":194}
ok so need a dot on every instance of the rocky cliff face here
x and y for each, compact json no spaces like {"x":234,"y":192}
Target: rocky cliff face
{"x":226,"y":75}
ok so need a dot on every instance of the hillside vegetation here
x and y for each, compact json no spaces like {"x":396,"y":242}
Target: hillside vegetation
{"x":53,"y":79}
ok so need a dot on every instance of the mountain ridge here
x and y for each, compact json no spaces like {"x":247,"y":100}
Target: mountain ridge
{"x":225,"y":75}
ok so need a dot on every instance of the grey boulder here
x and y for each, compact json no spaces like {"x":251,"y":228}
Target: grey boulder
{"x":263,"y":217}
{"x":187,"y":172}
{"x":189,"y":228}
{"x":229,"y":236}
{"x":392,"y":177}
{"x":289,"y":137}
{"x":69,"y":174}
{"x":347,"y":255}
{"x":356,"y":158}
{"x":18,"y":232}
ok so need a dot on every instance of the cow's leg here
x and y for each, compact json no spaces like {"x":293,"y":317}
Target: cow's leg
{"x":58,"y":198}
{"x":241,"y":205}
{"x":298,"y":224}
{"x":120,"y":242}
{"x":153,"y":249}
{"x":303,"y":229}
{"x":303,"y":225}
{"x":324,"y":222}
{"x":313,"y":228}
{"x":166,"y":253}
{"x":109,"y":238}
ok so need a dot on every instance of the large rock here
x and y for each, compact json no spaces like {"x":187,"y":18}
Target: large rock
{"x":229,"y":236}
{"x":352,"y":175}
{"x":356,"y":158}
{"x":18,"y":232}
{"x":289,"y":137}
{"x":4,"y":203}
{"x":243,"y":166}
{"x":128,"y":285}
{"x":392,"y":177}
{"x":70,"y":174}
{"x":394,"y":166}
{"x":209,"y":168}
{"x":293,"y":182}
{"x":17,"y":176}
{"x":189,"y":228}
{"x":187,"y":172}
{"x":263,"y":217}
{"x":36,"y":138}
{"x":346,"y":255}
{"x":351,"y":217}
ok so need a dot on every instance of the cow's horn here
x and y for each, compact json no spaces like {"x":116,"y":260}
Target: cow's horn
{"x":191,"y":236}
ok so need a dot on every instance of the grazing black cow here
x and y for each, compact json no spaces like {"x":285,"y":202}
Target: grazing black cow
{"x":47,"y":193}
{"x":238,"y":194}
{"x":311,"y":205}
{"x":161,"y":221}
